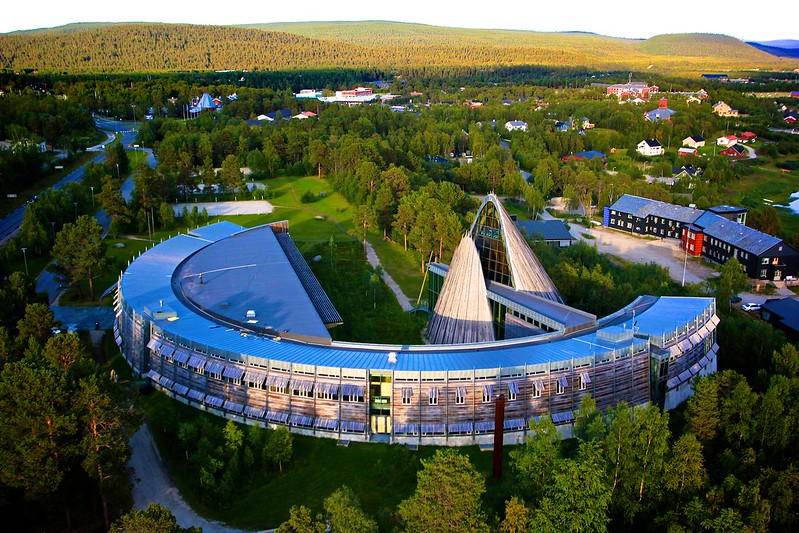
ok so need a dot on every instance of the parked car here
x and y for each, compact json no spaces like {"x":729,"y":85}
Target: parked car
{"x":735,"y":300}
{"x":749,"y":307}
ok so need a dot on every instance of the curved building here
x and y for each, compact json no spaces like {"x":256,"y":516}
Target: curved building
{"x":232,"y":321}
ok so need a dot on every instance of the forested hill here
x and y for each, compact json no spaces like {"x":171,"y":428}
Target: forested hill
{"x":700,"y":45}
{"x":145,"y":47}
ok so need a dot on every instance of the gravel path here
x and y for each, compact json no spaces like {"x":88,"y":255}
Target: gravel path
{"x":153,"y":484}
{"x":403,"y":300}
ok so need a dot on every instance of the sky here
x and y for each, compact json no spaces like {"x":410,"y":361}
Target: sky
{"x":755,"y":21}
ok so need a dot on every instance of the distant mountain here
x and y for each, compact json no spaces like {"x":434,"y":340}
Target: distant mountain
{"x":782,"y":48}
{"x":780,"y":43}
{"x":105,"y":47}
{"x":702,"y":45}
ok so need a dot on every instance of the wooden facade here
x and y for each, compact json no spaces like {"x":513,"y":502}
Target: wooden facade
{"x":441,"y":407}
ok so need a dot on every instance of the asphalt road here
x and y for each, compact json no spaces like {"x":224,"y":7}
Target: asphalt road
{"x":10,"y":224}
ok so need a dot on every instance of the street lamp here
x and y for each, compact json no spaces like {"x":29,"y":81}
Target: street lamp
{"x":134,"y":112}
{"x":118,"y":172}
{"x":76,"y":210}
{"x":25,"y":258}
{"x":92,"y":188}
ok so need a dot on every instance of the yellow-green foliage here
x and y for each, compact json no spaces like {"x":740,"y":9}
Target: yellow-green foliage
{"x":386,"y":45}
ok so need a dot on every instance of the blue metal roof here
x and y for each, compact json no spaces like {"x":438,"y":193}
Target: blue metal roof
{"x":551,"y":230}
{"x":643,"y":207}
{"x":738,"y":235}
{"x":661,"y":113}
{"x":146,"y":286}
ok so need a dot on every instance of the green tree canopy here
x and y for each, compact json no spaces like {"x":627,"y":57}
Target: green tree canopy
{"x":79,"y":251}
{"x":447,"y":496}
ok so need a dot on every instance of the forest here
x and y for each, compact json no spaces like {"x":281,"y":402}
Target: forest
{"x":177,"y":47}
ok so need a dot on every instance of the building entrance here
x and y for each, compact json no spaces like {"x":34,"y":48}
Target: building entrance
{"x":380,"y":404}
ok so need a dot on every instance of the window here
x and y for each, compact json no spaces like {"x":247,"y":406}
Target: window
{"x":538,"y":387}
{"x":585,"y":379}
{"x":433,"y":396}
{"x":560,"y":385}
{"x":407,"y":395}
{"x":764,"y":261}
{"x":327,"y":395}
{"x":488,"y":393}
{"x":763,"y":273}
{"x":460,"y":395}
{"x":513,"y":391}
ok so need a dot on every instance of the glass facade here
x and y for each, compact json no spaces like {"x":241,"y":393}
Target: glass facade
{"x":491,"y":244}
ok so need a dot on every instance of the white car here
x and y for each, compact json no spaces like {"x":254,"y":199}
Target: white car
{"x":749,"y":307}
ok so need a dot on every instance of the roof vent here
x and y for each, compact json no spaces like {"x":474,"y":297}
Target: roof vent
{"x":250,"y":313}
{"x":392,"y":357}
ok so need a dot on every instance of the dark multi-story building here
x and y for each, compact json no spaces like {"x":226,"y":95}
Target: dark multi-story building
{"x":717,"y":234}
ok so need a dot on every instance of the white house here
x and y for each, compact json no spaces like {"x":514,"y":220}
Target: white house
{"x":694,"y":141}
{"x":727,"y":140}
{"x":650,"y":147}
{"x":513,"y":125}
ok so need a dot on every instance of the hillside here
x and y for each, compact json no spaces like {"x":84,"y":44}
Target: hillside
{"x":702,"y":45}
{"x":98,"y":47}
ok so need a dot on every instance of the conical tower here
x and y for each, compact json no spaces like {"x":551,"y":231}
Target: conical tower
{"x":505,"y":255}
{"x":462,"y":313}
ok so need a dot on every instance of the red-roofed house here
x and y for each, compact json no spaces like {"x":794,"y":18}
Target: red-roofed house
{"x":736,"y":150}
{"x":748,"y":136}
{"x":727,"y":140}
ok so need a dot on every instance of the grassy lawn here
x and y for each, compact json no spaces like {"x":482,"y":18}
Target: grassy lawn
{"x":368,"y":308}
{"x":382,"y":475}
{"x":404,"y":267}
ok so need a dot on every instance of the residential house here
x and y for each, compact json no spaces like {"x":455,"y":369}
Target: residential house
{"x":304,"y":115}
{"x":282,"y":114}
{"x":685,"y":151}
{"x":748,"y":136}
{"x":694,"y":141}
{"x":736,"y":150}
{"x":782,"y":313}
{"x":514,"y":125}
{"x":661,"y":113}
{"x":650,"y":147}
{"x":552,"y":232}
{"x":685,"y":171}
{"x":589,"y":155}
{"x":562,"y":126}
{"x":724,"y":110}
{"x":587,"y":125}
{"x":705,"y":233}
{"x":727,"y":140}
